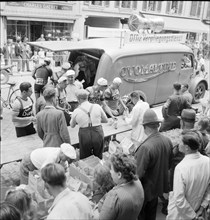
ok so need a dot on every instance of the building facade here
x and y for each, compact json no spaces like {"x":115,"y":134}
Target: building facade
{"x":68,"y":20}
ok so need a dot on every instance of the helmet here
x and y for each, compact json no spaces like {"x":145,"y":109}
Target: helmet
{"x":66,"y":66}
{"x":47,"y":60}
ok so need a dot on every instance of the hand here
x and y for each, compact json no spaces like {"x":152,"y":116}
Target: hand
{"x":33,"y":119}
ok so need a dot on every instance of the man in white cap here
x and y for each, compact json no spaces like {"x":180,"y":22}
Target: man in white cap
{"x":71,"y":89}
{"x":51,"y":123}
{"x":153,"y":158}
{"x":41,"y":74}
{"x":89,"y":117}
{"x":96,"y":95}
{"x":65,"y":67}
{"x":40,"y":157}
{"x":112,"y":97}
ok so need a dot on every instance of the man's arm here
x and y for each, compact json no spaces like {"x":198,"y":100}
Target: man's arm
{"x":39,"y":128}
{"x":64,"y":133}
{"x":182,"y":204}
{"x":142,"y":159}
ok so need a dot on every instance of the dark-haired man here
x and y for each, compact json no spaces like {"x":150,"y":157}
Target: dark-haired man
{"x":186,"y":93}
{"x":67,"y":204}
{"x":51,"y":123}
{"x":190,"y":195}
{"x":172,"y":109}
{"x":22,"y":111}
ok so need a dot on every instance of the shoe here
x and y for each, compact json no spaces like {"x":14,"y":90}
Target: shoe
{"x":28,"y":70}
{"x":1,"y":117}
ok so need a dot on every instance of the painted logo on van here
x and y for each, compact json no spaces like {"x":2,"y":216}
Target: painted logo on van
{"x":141,"y":73}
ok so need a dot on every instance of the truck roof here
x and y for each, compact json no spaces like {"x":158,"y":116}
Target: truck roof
{"x":111,"y":46}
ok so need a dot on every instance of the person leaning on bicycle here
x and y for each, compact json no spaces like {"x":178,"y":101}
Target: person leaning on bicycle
{"x":41,"y":74}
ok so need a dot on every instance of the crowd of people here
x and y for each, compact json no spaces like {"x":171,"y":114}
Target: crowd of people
{"x":21,"y":54}
{"x":129,"y":185}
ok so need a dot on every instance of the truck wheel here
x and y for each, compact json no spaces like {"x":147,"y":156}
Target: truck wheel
{"x":4,"y":76}
{"x":199,"y":93}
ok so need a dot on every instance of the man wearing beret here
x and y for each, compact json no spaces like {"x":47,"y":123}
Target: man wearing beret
{"x":89,"y":117}
{"x":153,"y":158}
{"x":51,"y":123}
{"x":40,"y":157}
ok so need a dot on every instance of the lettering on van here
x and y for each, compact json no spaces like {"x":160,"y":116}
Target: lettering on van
{"x":141,"y":73}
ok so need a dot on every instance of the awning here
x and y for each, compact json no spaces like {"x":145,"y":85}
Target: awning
{"x":17,"y":18}
{"x":183,"y":24}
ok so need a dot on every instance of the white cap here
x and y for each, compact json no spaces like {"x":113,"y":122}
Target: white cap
{"x":102,"y":82}
{"x":68,"y":150}
{"x":61,"y":79}
{"x":47,"y":59}
{"x":117,"y":81}
{"x":66,"y":66}
{"x":70,"y":73}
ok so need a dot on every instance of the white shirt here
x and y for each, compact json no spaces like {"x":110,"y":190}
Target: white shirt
{"x":81,"y":118}
{"x":191,"y":181}
{"x":71,"y":90}
{"x":70,"y":205}
{"x":40,"y":157}
{"x":135,"y":119}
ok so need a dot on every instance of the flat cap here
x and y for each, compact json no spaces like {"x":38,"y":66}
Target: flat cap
{"x":62,"y":79}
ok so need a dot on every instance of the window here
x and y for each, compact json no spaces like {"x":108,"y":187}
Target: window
{"x":195,"y":9}
{"x":96,"y":3}
{"x":152,"y":6}
{"x":17,"y":28}
{"x":174,"y":7}
{"x":126,"y":4}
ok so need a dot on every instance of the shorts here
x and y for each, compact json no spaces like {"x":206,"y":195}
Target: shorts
{"x":24,"y":131}
{"x":38,"y":88}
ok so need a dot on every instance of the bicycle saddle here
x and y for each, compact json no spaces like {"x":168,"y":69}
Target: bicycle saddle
{"x":11,"y":83}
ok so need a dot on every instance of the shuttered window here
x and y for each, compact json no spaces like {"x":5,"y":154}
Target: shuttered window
{"x":180,"y":7}
{"x":135,"y":4}
{"x":168,"y":7}
{"x":144,"y":6}
{"x":159,"y":5}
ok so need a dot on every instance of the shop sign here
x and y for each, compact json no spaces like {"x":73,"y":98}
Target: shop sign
{"x":40,"y":5}
{"x":141,"y":73}
{"x":130,"y":38}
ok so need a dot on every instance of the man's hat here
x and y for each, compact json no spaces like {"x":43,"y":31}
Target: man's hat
{"x":68,"y":150}
{"x":66,"y":66}
{"x":188,"y":115}
{"x":62,"y":79}
{"x":102,"y":82}
{"x":70,"y":73}
{"x":150,"y":117}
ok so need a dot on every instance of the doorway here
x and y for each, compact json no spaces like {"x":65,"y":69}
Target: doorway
{"x":36,"y":31}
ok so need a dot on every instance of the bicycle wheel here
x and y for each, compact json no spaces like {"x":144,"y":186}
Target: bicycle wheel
{"x":13,"y":96}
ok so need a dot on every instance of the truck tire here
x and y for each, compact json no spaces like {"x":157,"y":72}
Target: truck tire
{"x":199,"y":92}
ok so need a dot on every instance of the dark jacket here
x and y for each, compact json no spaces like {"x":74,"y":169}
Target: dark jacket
{"x":153,"y":162}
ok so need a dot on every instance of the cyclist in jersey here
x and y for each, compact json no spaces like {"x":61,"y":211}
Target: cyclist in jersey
{"x":56,"y":76}
{"x":22,"y":111}
{"x":41,"y":74}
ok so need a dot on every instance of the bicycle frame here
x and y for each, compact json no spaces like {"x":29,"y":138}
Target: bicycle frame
{"x":5,"y":103}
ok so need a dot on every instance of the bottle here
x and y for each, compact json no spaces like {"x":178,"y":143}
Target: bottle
{"x":115,"y":124}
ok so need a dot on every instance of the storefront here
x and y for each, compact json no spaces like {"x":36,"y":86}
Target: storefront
{"x":31,"y":19}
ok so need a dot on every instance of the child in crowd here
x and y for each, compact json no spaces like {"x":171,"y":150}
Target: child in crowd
{"x":35,"y":59}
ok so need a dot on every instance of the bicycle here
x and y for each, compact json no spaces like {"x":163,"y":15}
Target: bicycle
{"x":11,"y":96}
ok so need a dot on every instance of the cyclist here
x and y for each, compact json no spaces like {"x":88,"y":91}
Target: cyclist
{"x":41,"y":74}
{"x":22,"y":111}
